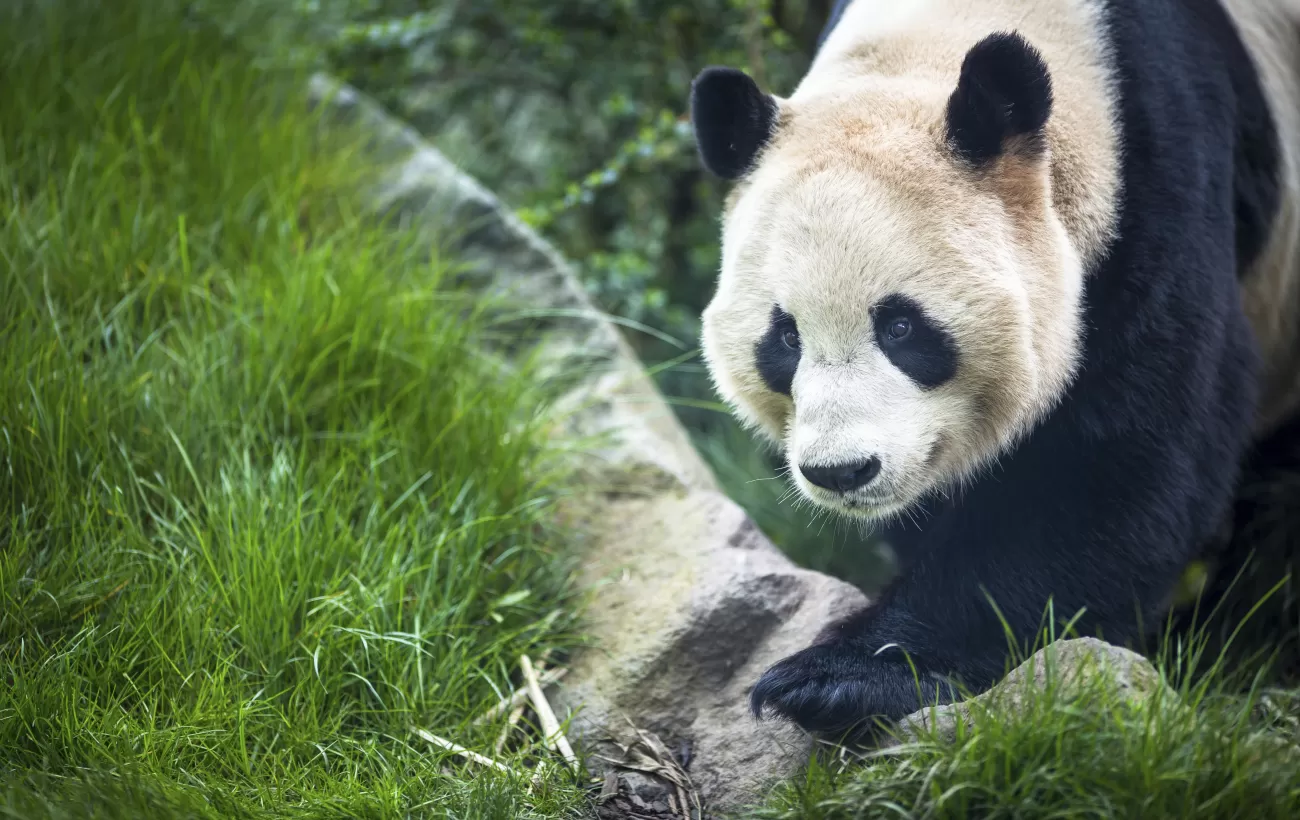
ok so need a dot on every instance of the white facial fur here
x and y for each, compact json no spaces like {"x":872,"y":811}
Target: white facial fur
{"x":858,"y":198}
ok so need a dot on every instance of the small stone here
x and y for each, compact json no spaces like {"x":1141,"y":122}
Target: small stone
{"x":1076,"y":665}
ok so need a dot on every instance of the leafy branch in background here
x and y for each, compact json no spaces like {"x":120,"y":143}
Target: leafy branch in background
{"x":573,"y":112}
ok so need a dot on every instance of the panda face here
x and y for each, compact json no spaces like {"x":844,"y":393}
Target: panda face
{"x":892,"y":309}
{"x":890,"y":343}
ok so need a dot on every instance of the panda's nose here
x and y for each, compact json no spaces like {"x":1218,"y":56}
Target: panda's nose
{"x":843,"y":478}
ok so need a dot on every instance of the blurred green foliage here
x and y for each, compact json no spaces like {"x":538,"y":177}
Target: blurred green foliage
{"x":575,"y":113}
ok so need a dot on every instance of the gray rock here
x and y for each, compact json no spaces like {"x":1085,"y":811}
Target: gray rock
{"x":1077,"y":668}
{"x":691,"y":602}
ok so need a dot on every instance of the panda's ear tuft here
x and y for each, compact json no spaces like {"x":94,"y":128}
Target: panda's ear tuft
{"x":1002,"y":100}
{"x":733,"y":119}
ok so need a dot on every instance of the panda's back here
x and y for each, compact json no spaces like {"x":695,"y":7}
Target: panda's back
{"x":1211,"y":100}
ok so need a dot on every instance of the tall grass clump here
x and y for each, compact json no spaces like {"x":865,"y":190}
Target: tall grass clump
{"x":265,"y":503}
{"x":1200,"y":739}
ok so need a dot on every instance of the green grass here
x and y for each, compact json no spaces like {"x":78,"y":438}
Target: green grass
{"x":1213,"y":743}
{"x":265,"y":503}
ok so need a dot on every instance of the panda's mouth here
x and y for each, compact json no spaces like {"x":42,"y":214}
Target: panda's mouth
{"x":873,"y":508}
{"x":859,"y":504}
{"x":867,"y":501}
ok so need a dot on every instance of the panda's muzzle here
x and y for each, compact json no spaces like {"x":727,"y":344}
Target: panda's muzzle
{"x":843,"y":478}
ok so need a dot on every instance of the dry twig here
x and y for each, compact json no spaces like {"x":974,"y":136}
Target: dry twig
{"x":515,"y":715}
{"x":519,"y":697}
{"x":550,"y":725}
{"x":463,"y":752}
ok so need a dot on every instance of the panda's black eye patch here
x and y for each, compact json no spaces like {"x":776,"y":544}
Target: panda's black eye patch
{"x":913,"y":342}
{"x":777,"y":353}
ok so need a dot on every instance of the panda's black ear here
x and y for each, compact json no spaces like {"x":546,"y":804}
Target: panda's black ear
{"x":1004,"y":93}
{"x":733,"y":120}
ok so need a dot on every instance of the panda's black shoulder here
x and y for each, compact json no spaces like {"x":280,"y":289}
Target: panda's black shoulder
{"x":1175,"y":60}
{"x":1169,"y":355}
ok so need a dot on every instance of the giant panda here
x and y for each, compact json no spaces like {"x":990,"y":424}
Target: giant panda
{"x":1015,"y":280}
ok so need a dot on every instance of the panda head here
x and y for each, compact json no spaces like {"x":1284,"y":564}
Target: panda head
{"x":898,"y":301}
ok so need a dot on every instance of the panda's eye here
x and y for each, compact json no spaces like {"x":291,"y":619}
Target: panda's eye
{"x":898,"y":330}
{"x":790,"y":338}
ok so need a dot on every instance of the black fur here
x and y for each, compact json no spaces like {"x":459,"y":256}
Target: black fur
{"x":1103,"y":505}
{"x":1241,"y":612}
{"x":928,"y":355}
{"x":733,"y":120}
{"x":775,"y":360}
{"x":1003,"y":92}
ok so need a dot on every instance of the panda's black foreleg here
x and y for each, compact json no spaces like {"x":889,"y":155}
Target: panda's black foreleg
{"x":855,"y":672}
{"x":1101,"y":544}
{"x":835,"y":685}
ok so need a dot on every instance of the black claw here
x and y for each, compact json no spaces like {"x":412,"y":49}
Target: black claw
{"x":779,"y":679}
{"x":769,"y":688}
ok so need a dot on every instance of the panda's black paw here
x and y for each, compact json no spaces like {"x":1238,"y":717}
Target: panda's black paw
{"x":836,"y":687}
